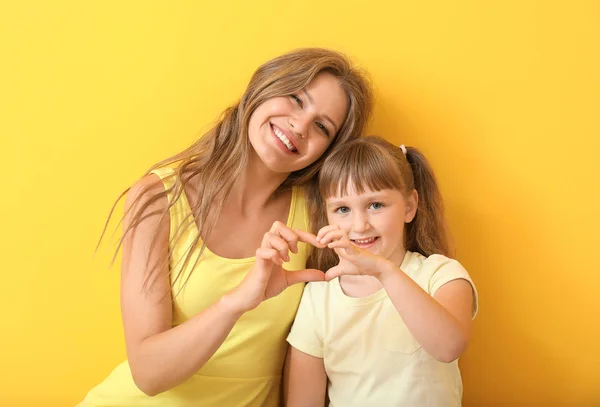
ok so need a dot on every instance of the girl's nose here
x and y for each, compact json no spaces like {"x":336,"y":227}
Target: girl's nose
{"x":360,"y":222}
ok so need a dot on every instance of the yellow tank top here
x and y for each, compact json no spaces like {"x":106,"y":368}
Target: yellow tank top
{"x":246,"y":369}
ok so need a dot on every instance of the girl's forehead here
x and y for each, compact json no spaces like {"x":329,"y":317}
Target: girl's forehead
{"x":357,"y":190}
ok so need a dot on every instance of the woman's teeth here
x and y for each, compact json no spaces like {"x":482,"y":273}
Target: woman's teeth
{"x":284,"y":139}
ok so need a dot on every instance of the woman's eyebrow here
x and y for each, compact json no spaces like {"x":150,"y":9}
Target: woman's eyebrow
{"x":312,"y":102}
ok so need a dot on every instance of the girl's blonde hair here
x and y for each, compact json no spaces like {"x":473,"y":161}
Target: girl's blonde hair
{"x":218,"y":158}
{"x":376,"y":164}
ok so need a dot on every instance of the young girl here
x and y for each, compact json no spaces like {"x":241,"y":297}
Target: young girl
{"x":198,"y":328}
{"x":388,"y":326}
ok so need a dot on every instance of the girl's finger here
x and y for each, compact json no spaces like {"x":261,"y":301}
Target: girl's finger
{"x":325,"y":230}
{"x":307,"y":237}
{"x":341,"y":243}
{"x":337,"y":271}
{"x":334,"y":235}
{"x":349,"y":251}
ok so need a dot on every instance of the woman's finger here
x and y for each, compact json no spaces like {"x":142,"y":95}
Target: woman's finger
{"x":271,"y":240}
{"x":269,"y":254}
{"x":303,"y":276}
{"x":307,"y":237}
{"x":286,"y":234}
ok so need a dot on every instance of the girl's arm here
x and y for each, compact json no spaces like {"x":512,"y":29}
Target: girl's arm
{"x":442,"y":323}
{"x":304,"y":380}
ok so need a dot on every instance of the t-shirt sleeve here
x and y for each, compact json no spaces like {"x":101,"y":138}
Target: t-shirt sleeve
{"x":305,"y":334}
{"x":446,"y":270}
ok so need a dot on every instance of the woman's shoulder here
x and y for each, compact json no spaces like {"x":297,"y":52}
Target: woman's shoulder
{"x":299,"y":193}
{"x":147,"y":191}
{"x":152,"y":184}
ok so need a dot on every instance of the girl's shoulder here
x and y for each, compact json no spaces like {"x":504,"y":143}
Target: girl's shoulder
{"x":424,"y":269}
{"x":417,"y":261}
{"x":432,"y":272}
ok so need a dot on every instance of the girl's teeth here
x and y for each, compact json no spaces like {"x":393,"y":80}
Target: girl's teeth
{"x":364,"y":241}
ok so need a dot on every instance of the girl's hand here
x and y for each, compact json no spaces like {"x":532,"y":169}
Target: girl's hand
{"x":267,"y":278}
{"x":353,"y":259}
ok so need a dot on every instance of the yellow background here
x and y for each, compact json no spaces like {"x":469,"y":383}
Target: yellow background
{"x":502,"y":96}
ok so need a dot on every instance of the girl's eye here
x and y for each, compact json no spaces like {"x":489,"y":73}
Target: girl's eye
{"x":297,"y":100}
{"x":323,"y":128}
{"x":342,"y":210}
{"x":376,"y":205}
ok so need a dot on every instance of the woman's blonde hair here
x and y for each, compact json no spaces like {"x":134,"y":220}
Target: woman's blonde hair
{"x":218,"y":158}
{"x":376,"y":164}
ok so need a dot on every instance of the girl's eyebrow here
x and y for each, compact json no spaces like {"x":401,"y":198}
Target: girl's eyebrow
{"x":335,"y":202}
{"x":372,"y":196}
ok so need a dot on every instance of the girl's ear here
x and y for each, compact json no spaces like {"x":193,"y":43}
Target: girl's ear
{"x":410,"y":209}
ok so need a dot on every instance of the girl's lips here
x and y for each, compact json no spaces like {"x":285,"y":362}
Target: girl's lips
{"x":365,"y":243}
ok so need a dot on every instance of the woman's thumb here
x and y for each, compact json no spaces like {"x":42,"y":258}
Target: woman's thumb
{"x":303,"y":276}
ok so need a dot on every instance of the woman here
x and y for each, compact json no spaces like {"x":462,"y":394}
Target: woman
{"x":194,"y":286}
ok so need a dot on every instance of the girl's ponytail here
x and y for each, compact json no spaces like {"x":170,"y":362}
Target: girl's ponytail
{"x":427,"y":233}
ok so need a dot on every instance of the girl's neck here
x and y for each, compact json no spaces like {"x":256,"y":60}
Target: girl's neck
{"x":398,"y":256}
{"x":363,"y":286}
{"x":359,"y":286}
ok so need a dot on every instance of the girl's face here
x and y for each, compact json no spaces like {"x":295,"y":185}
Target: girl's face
{"x":289,"y":133}
{"x":374,"y":220}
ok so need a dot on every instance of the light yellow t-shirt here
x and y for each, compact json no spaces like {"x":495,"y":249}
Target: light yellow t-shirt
{"x":246,"y":370}
{"x":370,"y":356}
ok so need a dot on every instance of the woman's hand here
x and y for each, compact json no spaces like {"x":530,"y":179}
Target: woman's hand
{"x":267,"y":278}
{"x":353,"y":259}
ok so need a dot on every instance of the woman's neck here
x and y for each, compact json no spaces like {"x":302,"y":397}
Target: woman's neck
{"x":256,"y":186}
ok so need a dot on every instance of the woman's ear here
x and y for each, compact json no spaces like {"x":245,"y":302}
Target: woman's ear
{"x":410,"y":209}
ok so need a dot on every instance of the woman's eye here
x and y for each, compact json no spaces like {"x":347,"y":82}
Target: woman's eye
{"x":376,"y":205}
{"x":342,"y":210}
{"x":323,"y":128}
{"x":297,"y":100}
